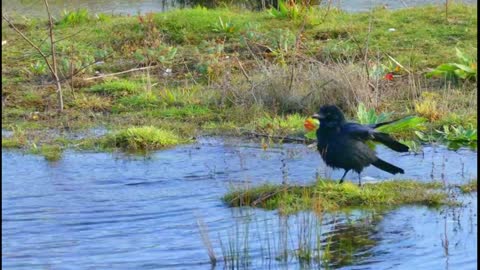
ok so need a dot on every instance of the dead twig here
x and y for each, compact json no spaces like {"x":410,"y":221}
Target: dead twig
{"x":121,"y":72}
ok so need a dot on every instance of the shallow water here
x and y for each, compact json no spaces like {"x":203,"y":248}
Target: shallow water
{"x":111,"y":211}
{"x":36,"y":8}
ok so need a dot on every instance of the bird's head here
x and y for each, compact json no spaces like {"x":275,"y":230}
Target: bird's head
{"x":329,"y":116}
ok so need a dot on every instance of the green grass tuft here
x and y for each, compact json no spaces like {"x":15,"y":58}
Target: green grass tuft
{"x":13,"y":142}
{"x":142,"y":101}
{"x":116,"y":88}
{"x":51,"y":152}
{"x":142,"y":139}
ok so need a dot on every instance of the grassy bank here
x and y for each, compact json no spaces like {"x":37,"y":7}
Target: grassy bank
{"x":236,"y":71}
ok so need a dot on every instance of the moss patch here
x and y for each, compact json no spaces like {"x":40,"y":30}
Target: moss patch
{"x":326,"y":195}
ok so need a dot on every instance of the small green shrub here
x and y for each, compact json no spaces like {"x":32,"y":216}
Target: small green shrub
{"x":466,"y":69}
{"x":365,"y":116}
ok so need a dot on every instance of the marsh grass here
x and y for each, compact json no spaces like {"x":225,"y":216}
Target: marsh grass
{"x":18,"y":139}
{"x":141,"y":101}
{"x":326,"y":195}
{"x":13,"y":142}
{"x":90,"y":102}
{"x":116,"y":88}
{"x":470,"y":186}
{"x":257,"y":75}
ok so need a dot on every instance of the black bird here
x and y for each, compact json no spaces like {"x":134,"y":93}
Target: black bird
{"x":343,"y":145}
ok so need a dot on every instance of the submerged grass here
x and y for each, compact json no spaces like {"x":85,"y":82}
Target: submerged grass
{"x":13,"y":142}
{"x":49,"y":152}
{"x":470,"y":186}
{"x":326,"y":195}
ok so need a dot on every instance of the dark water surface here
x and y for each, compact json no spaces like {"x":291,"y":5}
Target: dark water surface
{"x":110,"y":211}
{"x":36,"y":8}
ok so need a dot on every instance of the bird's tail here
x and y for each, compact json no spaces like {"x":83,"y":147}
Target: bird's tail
{"x":390,"y":142}
{"x":383,"y":165}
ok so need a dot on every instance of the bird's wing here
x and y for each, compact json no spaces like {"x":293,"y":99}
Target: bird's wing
{"x":357,"y":131}
{"x":364,"y":133}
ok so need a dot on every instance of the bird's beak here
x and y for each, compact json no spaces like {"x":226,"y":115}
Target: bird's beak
{"x":318,"y":116}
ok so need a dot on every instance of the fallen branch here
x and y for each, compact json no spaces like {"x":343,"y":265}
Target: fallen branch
{"x":121,"y":72}
{"x":285,"y":139}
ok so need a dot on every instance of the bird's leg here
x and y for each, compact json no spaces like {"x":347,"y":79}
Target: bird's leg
{"x":341,"y":180}
{"x":359,"y":180}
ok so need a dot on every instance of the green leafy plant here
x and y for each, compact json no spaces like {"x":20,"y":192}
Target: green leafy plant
{"x":466,"y":69}
{"x":222,"y":27}
{"x":162,"y":54}
{"x":39,"y":68}
{"x":285,"y":11}
{"x":365,"y":116}
{"x":75,"y":17}
{"x":453,"y":136}
{"x":457,"y":136}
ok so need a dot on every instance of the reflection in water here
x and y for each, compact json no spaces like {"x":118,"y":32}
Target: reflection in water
{"x":104,"y":211}
{"x":305,"y":239}
{"x":351,"y":241}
